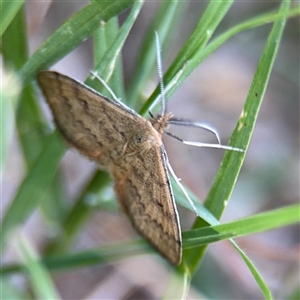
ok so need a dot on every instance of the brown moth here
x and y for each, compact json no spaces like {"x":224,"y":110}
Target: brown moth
{"x":129,"y":147}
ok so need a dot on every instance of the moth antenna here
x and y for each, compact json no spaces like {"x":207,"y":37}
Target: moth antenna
{"x":95,"y":74}
{"x":199,"y":144}
{"x":170,"y":85}
{"x":160,"y":74}
{"x":173,"y":136}
{"x":208,"y":145}
{"x":177,"y":180}
{"x":181,"y":122}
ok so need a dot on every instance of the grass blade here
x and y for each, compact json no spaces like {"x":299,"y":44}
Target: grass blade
{"x":79,"y":213}
{"x":168,"y":16}
{"x":108,"y":61}
{"x":10,"y":92}
{"x":88,"y":258}
{"x":31,"y":126}
{"x":258,"y":223}
{"x":232,"y":161}
{"x":40,"y":279}
{"x":34,"y":186}
{"x":103,"y":39}
{"x":8,"y":10}
{"x":211,"y":18}
{"x":71,"y":34}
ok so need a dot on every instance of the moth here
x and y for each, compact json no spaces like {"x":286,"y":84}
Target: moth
{"x":129,"y":147}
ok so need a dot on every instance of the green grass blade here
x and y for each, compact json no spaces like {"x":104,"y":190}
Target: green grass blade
{"x":202,"y":211}
{"x":103,"y":39}
{"x":14,"y":42}
{"x":9,"y":291}
{"x":109,"y":59}
{"x":79,"y":213}
{"x":173,"y":81}
{"x":242,"y":134}
{"x":31,"y":126}
{"x":30,"y":122}
{"x":40,"y":279}
{"x":178,"y":287}
{"x":207,"y":218}
{"x":210,"y":20}
{"x":294,"y":295}
{"x":167,"y":17}
{"x":208,"y":23}
{"x":232,"y":161}
{"x":258,"y":223}
{"x":79,"y":27}
{"x":263,"y":286}
{"x":34,"y":186}
{"x":270,"y":220}
{"x":10,"y":92}
{"x":113,"y":253}
{"x":88,"y":258}
{"x":247,"y":25}
{"x":99,"y":255}
{"x":8,"y":10}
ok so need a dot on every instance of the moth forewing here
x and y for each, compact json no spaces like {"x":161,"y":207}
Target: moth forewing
{"x":126,"y":145}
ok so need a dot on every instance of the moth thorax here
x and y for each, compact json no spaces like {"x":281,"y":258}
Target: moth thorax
{"x":137,"y":140}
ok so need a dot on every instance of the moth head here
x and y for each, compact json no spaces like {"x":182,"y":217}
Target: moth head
{"x":160,"y":122}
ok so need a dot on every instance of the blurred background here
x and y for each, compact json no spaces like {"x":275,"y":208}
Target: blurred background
{"x":215,"y":93}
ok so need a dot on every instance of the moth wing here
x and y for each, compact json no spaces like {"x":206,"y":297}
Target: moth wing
{"x":89,"y":121}
{"x":147,"y":198}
